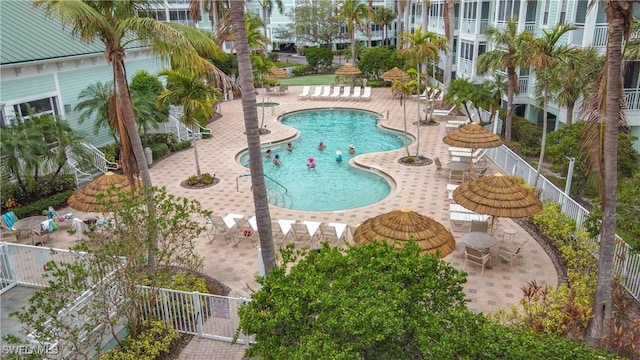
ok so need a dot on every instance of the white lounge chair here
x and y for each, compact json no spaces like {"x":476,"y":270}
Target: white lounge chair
{"x":244,"y":230}
{"x":316,"y":92}
{"x":366,"y":95}
{"x":305,"y":93}
{"x":356,"y":93}
{"x":336,"y":92}
{"x":346,"y":94}
{"x":326,"y":91}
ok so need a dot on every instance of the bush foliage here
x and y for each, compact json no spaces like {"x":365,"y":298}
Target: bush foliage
{"x":152,"y":342}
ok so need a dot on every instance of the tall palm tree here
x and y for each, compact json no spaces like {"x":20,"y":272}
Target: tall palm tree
{"x":404,"y":89}
{"x":449,"y":28}
{"x":356,"y":15}
{"x":64,"y":141}
{"x":620,"y":19}
{"x":426,"y":5}
{"x":510,"y":51}
{"x":420,"y":47}
{"x":198,"y":101}
{"x":98,"y":102}
{"x":574,"y":83}
{"x":250,"y":111}
{"x":116,"y":24}
{"x":267,"y":9}
{"x":384,"y":17}
{"x":215,"y":9}
{"x":401,"y":8}
{"x":545,"y":55}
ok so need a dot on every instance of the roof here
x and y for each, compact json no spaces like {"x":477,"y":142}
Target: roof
{"x":28,"y":34}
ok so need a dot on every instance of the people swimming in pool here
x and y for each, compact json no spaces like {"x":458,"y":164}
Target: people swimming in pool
{"x":339,"y":156}
{"x":321,"y":146}
{"x":276,"y":160}
{"x":311,"y":163}
{"x":289,"y":147}
{"x":352,"y":149}
{"x":268,"y":153}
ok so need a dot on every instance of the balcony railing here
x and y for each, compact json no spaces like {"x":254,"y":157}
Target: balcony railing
{"x":530,"y":25}
{"x":483,"y":26}
{"x":465,"y":66}
{"x":468,"y":26}
{"x":633,"y":98}
{"x":600,"y":34}
{"x":524,"y":84}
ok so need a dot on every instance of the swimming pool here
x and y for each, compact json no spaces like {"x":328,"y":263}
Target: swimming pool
{"x":331,"y":186}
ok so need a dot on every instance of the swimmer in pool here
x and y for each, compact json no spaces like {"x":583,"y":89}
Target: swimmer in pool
{"x":321,"y":146}
{"x":268,"y":153}
{"x":289,"y":147}
{"x":352,"y":149}
{"x":339,"y":156}
{"x":276,"y":160}
{"x":311,"y":164}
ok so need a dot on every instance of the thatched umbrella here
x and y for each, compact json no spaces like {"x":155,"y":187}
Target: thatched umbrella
{"x":348,"y":69}
{"x":278,"y":73}
{"x":86,"y":198}
{"x":499,"y":196}
{"x":395,"y":74}
{"x":472,"y":136}
{"x":397,"y":227}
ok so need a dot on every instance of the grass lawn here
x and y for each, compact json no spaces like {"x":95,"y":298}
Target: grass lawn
{"x":327,"y":79}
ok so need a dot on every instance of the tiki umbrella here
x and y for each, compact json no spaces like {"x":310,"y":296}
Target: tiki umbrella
{"x":348,"y":69}
{"x":472,"y":136}
{"x":86,"y":198}
{"x":278,"y":73}
{"x":499,"y":196}
{"x":397,"y":227}
{"x":395,"y":74}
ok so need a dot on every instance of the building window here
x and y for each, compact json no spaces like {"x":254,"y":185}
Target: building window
{"x":563,"y":12}
{"x":42,"y":106}
{"x":466,"y":50}
{"x":470,"y":10}
{"x":545,"y":16}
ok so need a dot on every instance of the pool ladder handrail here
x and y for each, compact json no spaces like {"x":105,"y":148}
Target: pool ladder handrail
{"x":265,"y":175}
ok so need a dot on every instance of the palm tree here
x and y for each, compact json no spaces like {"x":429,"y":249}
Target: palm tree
{"x":449,"y":28}
{"x":267,"y":8}
{"x":215,"y":9}
{"x":401,"y":7}
{"x":116,"y":24}
{"x":420,"y":47}
{"x":574,"y":83}
{"x":64,"y":141}
{"x":510,"y":51}
{"x":261,"y":67}
{"x":404,"y":89}
{"x":384,"y":17}
{"x":98,"y":100}
{"x":544,"y":56}
{"x":198,"y":101}
{"x":263,"y":218}
{"x":460,"y":93}
{"x":355,"y":14}
{"x":620,"y":18}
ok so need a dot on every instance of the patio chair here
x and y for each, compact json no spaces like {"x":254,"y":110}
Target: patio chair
{"x":356,"y":93}
{"x":366,"y":95}
{"x":300,"y":233}
{"x":305,"y":93}
{"x":244,"y":230}
{"x":326,"y":91}
{"x":39,"y":237}
{"x":277,"y":233}
{"x":7,"y":235}
{"x":476,"y":257}
{"x":479,"y":226}
{"x":346,"y":95}
{"x":316,"y":93}
{"x":456,"y":176}
{"x":336,"y":92}
{"x":218,"y":227}
{"x":329,"y":234}
{"x":438,"y":165}
{"x":510,"y":255}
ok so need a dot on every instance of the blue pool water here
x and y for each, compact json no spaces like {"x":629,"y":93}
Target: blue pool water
{"x":332,"y":185}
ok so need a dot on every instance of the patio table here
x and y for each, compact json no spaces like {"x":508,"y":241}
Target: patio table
{"x":32,"y":224}
{"x":458,"y":165}
{"x":479,"y":240}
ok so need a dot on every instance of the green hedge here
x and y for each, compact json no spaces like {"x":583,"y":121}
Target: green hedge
{"x":301,"y":70}
{"x":184,"y":144}
{"x":111,"y":151}
{"x":160,"y":138}
{"x":159,"y":150}
{"x":151,"y":343}
{"x":35,"y":208}
{"x":45,"y":186}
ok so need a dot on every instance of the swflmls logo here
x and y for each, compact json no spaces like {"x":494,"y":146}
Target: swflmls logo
{"x":30,"y":349}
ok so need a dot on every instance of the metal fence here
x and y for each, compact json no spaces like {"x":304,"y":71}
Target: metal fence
{"x":626,"y":263}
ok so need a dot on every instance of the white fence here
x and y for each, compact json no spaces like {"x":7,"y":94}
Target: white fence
{"x":626,"y":264}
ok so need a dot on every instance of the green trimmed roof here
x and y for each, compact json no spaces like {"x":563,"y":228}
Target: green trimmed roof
{"x":28,"y":34}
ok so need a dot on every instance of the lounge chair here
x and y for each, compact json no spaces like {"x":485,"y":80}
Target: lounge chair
{"x":336,"y":92}
{"x":356,"y":93}
{"x":438,"y":164}
{"x":316,"y":92}
{"x":366,"y":95}
{"x":476,"y":257}
{"x":277,"y":233}
{"x":305,"y":93}
{"x":346,"y":94}
{"x":301,"y":233}
{"x":326,"y":92}
{"x":217,"y":227}
{"x":243,"y":231}
{"x":329,"y":233}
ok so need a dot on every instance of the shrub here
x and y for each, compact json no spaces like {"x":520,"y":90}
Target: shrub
{"x":45,"y":186}
{"x":301,"y":70}
{"x":151,"y":343}
{"x":204,"y":179}
{"x":184,"y":144}
{"x":159,"y":150}
{"x":160,"y":138}
{"x":319,"y":58}
{"x":526,"y":133}
{"x":36,"y":208}
{"x":111,"y":151}
{"x":554,"y":224}
{"x":273,"y":56}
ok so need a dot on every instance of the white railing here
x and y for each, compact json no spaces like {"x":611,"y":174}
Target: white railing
{"x":204,"y":315}
{"x":465,"y":66}
{"x":524,"y":84}
{"x":483,"y":26}
{"x":79,"y":175}
{"x":600,"y":34}
{"x":530,"y":26}
{"x":626,"y":262}
{"x":100,"y":162}
{"x":468,"y":26}
{"x":633,"y":98}
{"x":182,"y":131}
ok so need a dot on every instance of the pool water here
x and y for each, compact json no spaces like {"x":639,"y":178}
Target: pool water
{"x":332,"y":185}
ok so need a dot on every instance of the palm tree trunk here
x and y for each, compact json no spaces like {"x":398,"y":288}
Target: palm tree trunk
{"x":418,"y":110}
{"x":263,"y":217}
{"x":404,"y":111}
{"x":450,"y":28}
{"x":598,"y":326}
{"x":511,"y":90}
{"x":545,"y":96}
{"x":353,"y":46}
{"x":194,"y":143}
{"x":570,"y":107}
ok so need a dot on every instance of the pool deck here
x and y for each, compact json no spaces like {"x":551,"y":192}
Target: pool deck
{"x":419,"y":188}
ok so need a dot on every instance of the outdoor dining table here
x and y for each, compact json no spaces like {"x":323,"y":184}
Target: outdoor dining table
{"x":457,"y":165}
{"x":479,"y":240}
{"x":32,"y":223}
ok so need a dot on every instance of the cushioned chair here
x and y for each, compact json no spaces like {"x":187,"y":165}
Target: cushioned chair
{"x":479,"y":226}
{"x":476,"y":257}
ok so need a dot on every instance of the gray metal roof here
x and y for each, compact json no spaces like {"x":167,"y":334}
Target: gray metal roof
{"x":28,"y":34}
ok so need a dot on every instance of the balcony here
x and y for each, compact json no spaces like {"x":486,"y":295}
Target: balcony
{"x":524,"y":84}
{"x":530,"y":26}
{"x":600,"y":34}
{"x":633,"y":98}
{"x":466,"y":67}
{"x":468,"y":26}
